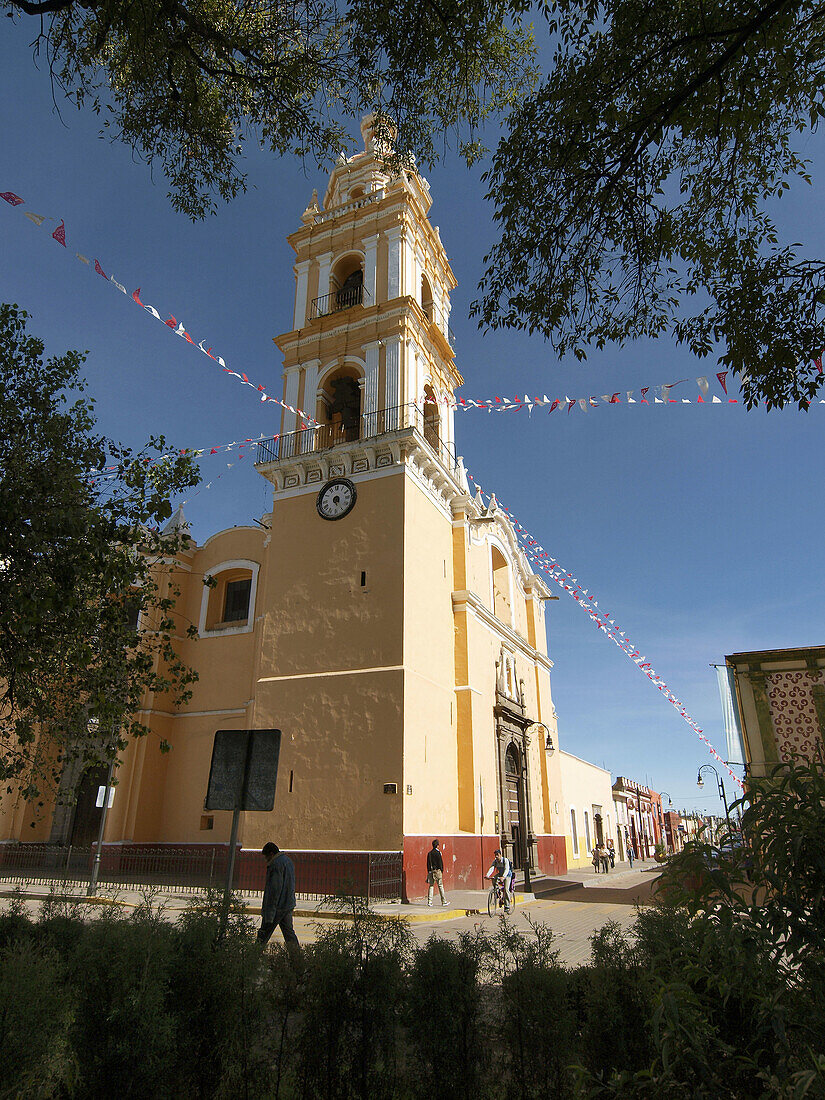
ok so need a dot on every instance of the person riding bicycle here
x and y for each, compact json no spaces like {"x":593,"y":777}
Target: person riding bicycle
{"x":501,"y":871}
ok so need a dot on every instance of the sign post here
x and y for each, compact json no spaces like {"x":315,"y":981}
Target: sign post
{"x":242,"y":776}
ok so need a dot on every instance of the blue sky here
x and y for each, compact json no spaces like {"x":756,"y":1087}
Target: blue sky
{"x":699,"y":528}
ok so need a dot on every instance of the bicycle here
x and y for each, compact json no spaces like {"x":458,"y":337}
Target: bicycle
{"x":495,"y":899}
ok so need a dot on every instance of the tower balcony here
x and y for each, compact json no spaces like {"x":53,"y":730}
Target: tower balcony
{"x":344,"y":298}
{"x":368,"y":428}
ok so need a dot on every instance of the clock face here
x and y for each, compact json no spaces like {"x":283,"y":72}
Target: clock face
{"x":336,"y":499}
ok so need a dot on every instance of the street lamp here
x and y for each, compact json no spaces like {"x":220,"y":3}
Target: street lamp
{"x":661,"y":816}
{"x":700,"y":783}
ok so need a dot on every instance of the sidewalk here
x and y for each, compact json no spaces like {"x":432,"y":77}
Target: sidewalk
{"x":621,"y":886}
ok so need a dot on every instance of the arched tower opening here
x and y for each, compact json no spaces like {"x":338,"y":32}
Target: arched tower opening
{"x":347,"y":282}
{"x":502,"y":603}
{"x":427,"y":303}
{"x":339,"y":407}
{"x":432,"y":418}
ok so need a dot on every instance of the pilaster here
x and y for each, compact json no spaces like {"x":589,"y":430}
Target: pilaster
{"x":395,"y":261}
{"x":301,"y":287}
{"x":371,"y":269}
{"x":392,"y":358}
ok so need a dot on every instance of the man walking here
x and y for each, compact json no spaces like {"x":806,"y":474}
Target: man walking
{"x":435,"y":874}
{"x":279,"y":897}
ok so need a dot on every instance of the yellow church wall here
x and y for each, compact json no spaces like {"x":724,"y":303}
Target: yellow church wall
{"x":430,"y":758}
{"x":341,"y":742}
{"x":319,"y":565}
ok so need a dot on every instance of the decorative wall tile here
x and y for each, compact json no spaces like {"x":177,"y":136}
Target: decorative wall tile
{"x":795,"y":723}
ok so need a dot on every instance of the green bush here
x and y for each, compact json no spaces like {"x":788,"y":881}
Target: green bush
{"x":36,"y":1013}
{"x":717,"y":992}
{"x":537,"y":1029}
{"x":446,"y":1041}
{"x":347,"y":1042}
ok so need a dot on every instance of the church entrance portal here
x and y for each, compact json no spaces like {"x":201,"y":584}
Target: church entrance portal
{"x":86,"y":823}
{"x":513,"y":812}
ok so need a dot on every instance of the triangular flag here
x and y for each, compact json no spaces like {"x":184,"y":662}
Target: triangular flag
{"x":100,"y":270}
{"x":82,"y":259}
{"x":10,"y":197}
{"x":38,"y":219}
{"x":722,"y":375}
{"x":60,"y":233}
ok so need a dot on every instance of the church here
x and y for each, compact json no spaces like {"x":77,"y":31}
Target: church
{"x":381,"y":615}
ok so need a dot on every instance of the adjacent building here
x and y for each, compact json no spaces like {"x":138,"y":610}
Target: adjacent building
{"x":774,"y":706}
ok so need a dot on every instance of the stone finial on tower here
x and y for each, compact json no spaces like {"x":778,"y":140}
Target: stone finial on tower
{"x":312,"y":208}
{"x":368,"y":132}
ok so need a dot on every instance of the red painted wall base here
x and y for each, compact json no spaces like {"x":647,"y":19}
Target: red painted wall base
{"x":466,"y":861}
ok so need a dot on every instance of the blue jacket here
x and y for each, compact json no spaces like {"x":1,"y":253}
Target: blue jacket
{"x":279,"y":891}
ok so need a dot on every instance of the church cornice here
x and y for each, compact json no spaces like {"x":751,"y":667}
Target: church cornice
{"x":366,"y":458}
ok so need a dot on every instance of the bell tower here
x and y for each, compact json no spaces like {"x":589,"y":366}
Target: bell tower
{"x":381,"y":619}
{"x":371,"y":349}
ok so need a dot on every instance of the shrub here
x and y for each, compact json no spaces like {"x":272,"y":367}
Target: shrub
{"x":445,"y":1019}
{"x":36,"y":1010}
{"x":347,"y":1044}
{"x":537,"y":1026}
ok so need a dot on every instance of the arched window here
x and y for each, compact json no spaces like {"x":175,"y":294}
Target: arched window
{"x":346,"y":283}
{"x":501,"y":585}
{"x":431,"y":418}
{"x":229,"y":606}
{"x":427,"y":303}
{"x":340,"y":407}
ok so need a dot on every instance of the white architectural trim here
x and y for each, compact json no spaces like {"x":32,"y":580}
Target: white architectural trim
{"x":301,"y":288}
{"x":326,"y":675}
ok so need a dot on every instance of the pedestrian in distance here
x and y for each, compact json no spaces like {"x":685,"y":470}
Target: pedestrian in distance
{"x":630,"y":854}
{"x":611,"y":851}
{"x":278,"y":902}
{"x":435,"y":874}
{"x":605,"y":858}
{"x":596,"y":857}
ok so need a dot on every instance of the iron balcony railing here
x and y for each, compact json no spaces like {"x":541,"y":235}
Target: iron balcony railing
{"x":337,"y":300}
{"x":322,"y":437}
{"x":318,"y":875}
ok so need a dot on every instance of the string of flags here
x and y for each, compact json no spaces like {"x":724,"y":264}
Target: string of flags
{"x":106,"y":472}
{"x":176,"y":326}
{"x":648,"y":395}
{"x":604,"y":622}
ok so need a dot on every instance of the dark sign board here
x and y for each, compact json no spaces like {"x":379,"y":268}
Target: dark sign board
{"x":244,"y":770}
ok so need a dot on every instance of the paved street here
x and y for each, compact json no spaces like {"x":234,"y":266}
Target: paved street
{"x":589,"y":903}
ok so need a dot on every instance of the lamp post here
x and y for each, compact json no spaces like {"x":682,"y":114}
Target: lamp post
{"x":700,"y":783}
{"x":661,"y":815}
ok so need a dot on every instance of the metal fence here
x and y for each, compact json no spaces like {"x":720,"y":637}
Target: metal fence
{"x":375,"y":876}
